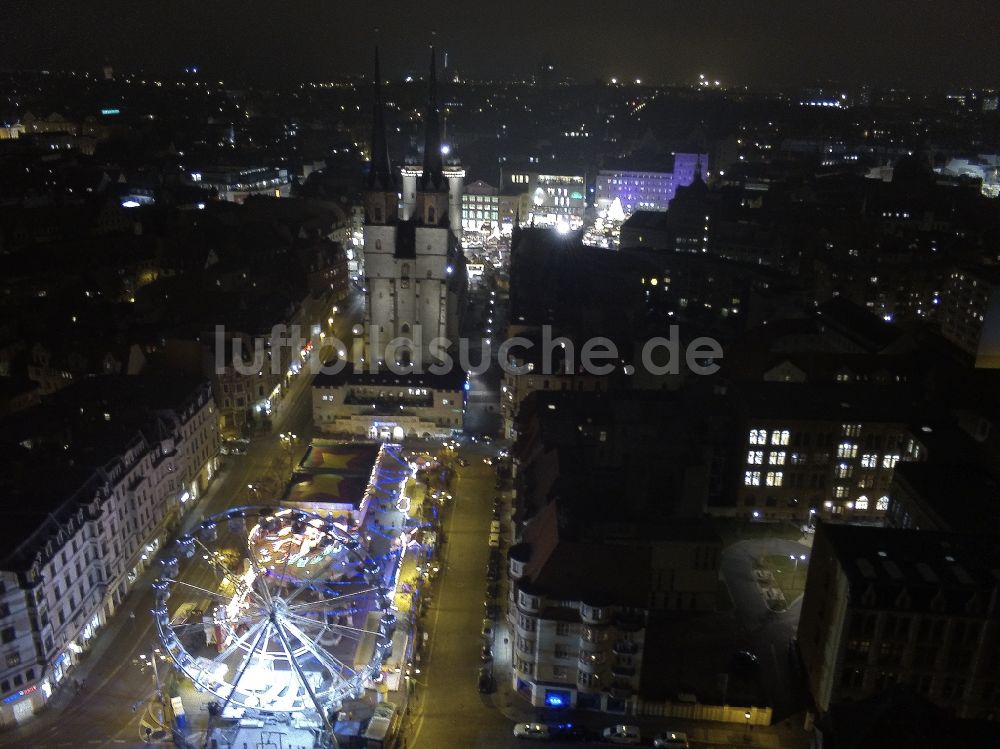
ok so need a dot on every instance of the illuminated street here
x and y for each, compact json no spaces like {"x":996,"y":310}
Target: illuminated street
{"x":115,"y":677}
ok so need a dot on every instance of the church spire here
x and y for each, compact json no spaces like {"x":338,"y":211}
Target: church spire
{"x":380,"y":177}
{"x":433,"y":177}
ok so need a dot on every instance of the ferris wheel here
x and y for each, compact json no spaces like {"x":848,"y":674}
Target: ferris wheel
{"x":274,"y":610}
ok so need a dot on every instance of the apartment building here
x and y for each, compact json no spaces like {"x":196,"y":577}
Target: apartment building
{"x":580,"y":609}
{"x":888,"y":606}
{"x":94,"y":479}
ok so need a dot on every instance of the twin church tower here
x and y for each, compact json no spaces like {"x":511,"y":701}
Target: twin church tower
{"x":414,"y":267}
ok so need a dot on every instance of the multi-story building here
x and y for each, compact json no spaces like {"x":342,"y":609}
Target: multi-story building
{"x":95,"y":477}
{"x":414,"y":267}
{"x":886,"y":606}
{"x":480,"y":207}
{"x":385,"y":406}
{"x":578,"y":625}
{"x":235,"y":184}
{"x":827,"y":450}
{"x":556,"y":199}
{"x":647,"y":189}
{"x":971,"y":315}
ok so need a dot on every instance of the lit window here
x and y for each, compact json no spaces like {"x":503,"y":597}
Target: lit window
{"x":851,"y":430}
{"x":869,"y":460}
{"x":861,"y":503}
{"x":758,"y":436}
{"x":844,"y":471}
{"x":847,"y":450}
{"x":882,"y":504}
{"x":776,"y":458}
{"x":752,"y":478}
{"x":755,"y":457}
{"x":775,"y":478}
{"x":889,"y":461}
{"x":840,"y":492}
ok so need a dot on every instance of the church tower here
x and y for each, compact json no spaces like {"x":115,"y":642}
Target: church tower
{"x":409,"y":262}
{"x":432,"y":187}
{"x":381,"y":202}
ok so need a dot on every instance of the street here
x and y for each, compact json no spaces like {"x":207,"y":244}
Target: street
{"x":115,"y":677}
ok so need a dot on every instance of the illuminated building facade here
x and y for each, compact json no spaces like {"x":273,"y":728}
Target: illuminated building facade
{"x":480,"y":206}
{"x":86,"y":532}
{"x":647,"y":189}
{"x":971,"y":315}
{"x":414,"y":268}
{"x":831,"y":454}
{"x":555,"y":199}
{"x":386,"y":406}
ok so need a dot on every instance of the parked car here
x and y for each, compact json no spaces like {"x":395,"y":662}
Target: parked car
{"x":492,"y":610}
{"x":622,"y":734}
{"x":535,"y":731}
{"x":671,"y":740}
{"x":492,"y":590}
{"x":570,"y":732}
{"x":487,"y":653}
{"x":488,"y":629}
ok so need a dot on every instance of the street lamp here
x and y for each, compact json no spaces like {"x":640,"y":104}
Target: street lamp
{"x":288,"y":440}
{"x":796,"y":559}
{"x":747,"y":716}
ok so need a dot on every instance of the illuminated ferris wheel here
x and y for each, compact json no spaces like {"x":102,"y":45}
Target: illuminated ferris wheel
{"x":274,"y":610}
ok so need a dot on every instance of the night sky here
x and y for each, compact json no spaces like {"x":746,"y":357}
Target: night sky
{"x":916,"y":43}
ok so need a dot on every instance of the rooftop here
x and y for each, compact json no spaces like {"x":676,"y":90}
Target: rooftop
{"x":452,"y":380}
{"x":929,"y":565}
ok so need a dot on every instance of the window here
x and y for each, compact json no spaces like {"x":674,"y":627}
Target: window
{"x":844,"y":471}
{"x":869,"y":460}
{"x":850,"y":430}
{"x":755,"y":457}
{"x":775,"y":478}
{"x":847,"y":450}
{"x":13,"y":659}
{"x":861,"y":503}
{"x":7,"y":634}
{"x":780,"y":438}
{"x":840,"y":492}
{"x":889,"y":461}
{"x":758,"y":436}
{"x":752,"y":478}
{"x":776,"y":458}
{"x":882,"y":505}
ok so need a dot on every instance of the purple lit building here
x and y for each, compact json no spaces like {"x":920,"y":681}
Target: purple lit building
{"x":647,"y":189}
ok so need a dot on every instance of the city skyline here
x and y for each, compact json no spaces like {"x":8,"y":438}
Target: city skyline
{"x":784,"y":43}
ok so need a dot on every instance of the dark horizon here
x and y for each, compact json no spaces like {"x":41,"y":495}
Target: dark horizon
{"x":885,"y":43}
